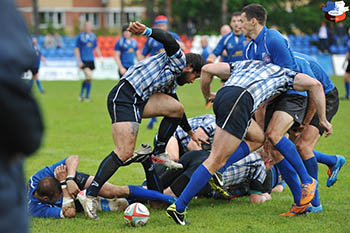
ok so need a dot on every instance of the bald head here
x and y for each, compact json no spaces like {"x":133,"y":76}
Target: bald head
{"x":225,"y":29}
{"x":49,"y":187}
{"x":87,"y":27}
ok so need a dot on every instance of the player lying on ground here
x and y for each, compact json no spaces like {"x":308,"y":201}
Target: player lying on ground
{"x":54,"y":191}
{"x":251,"y":83}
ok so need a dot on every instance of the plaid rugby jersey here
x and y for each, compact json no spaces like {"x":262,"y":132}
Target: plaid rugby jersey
{"x":206,"y":122}
{"x":156,"y":74}
{"x":261,"y":80}
{"x":251,"y":167}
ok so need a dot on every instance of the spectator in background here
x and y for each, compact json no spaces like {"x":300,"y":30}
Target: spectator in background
{"x":21,"y":125}
{"x":49,"y":42}
{"x":205,"y":48}
{"x":85,"y":45}
{"x":225,"y":29}
{"x":35,"y":68}
{"x":340,"y":32}
{"x":190,"y":29}
{"x":58,"y":41}
{"x":323,"y":37}
{"x":125,"y":50}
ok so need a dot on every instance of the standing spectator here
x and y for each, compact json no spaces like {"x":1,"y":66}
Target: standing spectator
{"x":205,"y":48}
{"x":58,"y":41}
{"x":85,"y":45}
{"x":21,"y":125}
{"x":35,"y":68}
{"x":190,"y":29}
{"x":340,"y":32}
{"x":49,"y":42}
{"x":125,"y":51}
{"x":323,"y":37}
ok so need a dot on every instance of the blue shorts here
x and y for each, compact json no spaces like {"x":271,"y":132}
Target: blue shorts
{"x":233,"y":108}
{"x":124,"y":105}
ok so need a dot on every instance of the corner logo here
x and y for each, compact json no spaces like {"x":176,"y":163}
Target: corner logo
{"x":335,"y":11}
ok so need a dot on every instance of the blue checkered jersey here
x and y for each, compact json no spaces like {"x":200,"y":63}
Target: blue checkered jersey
{"x":38,"y":208}
{"x":317,"y":72}
{"x":156,"y":74}
{"x":251,"y":167}
{"x":127,"y":49}
{"x":271,"y":46}
{"x":86,"y":43}
{"x":233,"y":48}
{"x":261,"y":80}
{"x":277,"y":177}
{"x":206,"y":122}
{"x":153,"y":47}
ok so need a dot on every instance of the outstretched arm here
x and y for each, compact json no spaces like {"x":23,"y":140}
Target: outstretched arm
{"x":170,"y":44}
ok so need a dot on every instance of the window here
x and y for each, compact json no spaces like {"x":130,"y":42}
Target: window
{"x":112,"y":19}
{"x":93,"y":18}
{"x":56,"y":19}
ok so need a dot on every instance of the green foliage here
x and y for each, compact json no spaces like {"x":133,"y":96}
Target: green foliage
{"x":73,"y":127}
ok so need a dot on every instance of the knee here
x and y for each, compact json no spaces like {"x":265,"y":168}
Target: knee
{"x":303,"y":148}
{"x":177,"y":111}
{"x":273,"y":136}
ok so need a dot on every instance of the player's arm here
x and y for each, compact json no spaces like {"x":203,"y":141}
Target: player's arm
{"x":168,"y":41}
{"x":280,"y":54}
{"x":117,"y":54}
{"x":222,"y":70}
{"x":98,"y":52}
{"x":68,"y":207}
{"x":72,"y":163}
{"x":217,"y":51}
{"x":303,"y":82}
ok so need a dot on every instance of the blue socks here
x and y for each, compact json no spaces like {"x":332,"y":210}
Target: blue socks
{"x":329,"y":160}
{"x":241,"y":152}
{"x":347,"y":89}
{"x":291,"y":177}
{"x":198,"y":180}
{"x":39,"y":86}
{"x":289,"y":151}
{"x":83,"y":87}
{"x":141,"y":194}
{"x":88,"y":88}
{"x":312,"y":169}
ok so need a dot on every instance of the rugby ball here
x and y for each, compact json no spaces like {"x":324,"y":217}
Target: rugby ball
{"x":136,"y":215}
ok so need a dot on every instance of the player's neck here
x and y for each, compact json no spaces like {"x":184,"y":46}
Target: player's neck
{"x":257,"y":31}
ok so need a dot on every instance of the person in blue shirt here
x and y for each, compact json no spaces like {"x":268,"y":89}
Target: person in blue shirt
{"x":35,"y":68}
{"x":233,"y":42}
{"x":125,"y":51}
{"x":205,"y":48}
{"x":85,"y":46}
{"x":55,"y":192}
{"x":284,"y":111}
{"x":153,"y":47}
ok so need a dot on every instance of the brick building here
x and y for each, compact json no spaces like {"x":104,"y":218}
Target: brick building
{"x":72,"y":13}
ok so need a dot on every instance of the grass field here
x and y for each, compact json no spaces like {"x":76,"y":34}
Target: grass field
{"x":73,"y":127}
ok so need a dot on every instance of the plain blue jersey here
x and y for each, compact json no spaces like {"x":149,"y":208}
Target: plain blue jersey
{"x":205,"y":53}
{"x":127,"y":49}
{"x":86,"y":43}
{"x":271,"y":46}
{"x":233,"y":45}
{"x":38,"y":208}
{"x":153,"y":47}
{"x":317,"y":71}
{"x":37,"y":57}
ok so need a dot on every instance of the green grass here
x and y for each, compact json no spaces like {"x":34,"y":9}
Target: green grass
{"x":84,"y":129}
